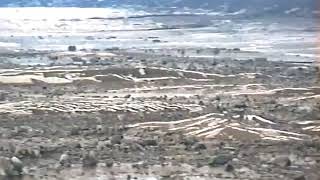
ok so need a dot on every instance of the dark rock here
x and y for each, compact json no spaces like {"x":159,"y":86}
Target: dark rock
{"x":219,"y":160}
{"x":128,"y":177}
{"x":109,"y":163}
{"x":23,"y":152}
{"x":216,"y":51}
{"x":72,"y":48}
{"x":199,"y":146}
{"x":240,"y":106}
{"x":75,"y":131}
{"x":2,"y":96}
{"x":89,"y":38}
{"x":127,"y":96}
{"x":10,"y":167}
{"x":156,"y":41}
{"x":76,"y":145}
{"x":201,"y":103}
{"x":189,"y":141}
{"x":149,"y":142}
{"x":229,"y":168}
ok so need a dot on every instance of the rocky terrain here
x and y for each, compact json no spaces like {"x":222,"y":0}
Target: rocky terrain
{"x":158,"y":114}
{"x":210,"y":90}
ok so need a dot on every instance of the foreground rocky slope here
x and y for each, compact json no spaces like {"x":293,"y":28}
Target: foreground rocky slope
{"x":121,"y":114}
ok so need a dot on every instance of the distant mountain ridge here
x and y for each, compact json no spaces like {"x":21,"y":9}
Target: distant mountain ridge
{"x":271,"y":6}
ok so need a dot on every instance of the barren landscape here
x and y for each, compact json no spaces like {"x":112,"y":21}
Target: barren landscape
{"x":160,"y":99}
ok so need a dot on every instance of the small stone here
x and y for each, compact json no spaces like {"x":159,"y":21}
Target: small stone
{"x":65,"y":160}
{"x":199,"y":146}
{"x":101,"y":145}
{"x":10,"y":167}
{"x":156,"y":41}
{"x":201,"y":103}
{"x":22,"y":129}
{"x":216,"y":51}
{"x":149,"y":142}
{"x":283,"y":161}
{"x":128,"y":177}
{"x":300,"y":177}
{"x":90,"y":159}
{"x":17,"y":165}
{"x":76,"y":145}
{"x":21,"y":151}
{"x":100,"y":129}
{"x":121,"y":117}
{"x":109,"y":163}
{"x":5,"y":166}
{"x":219,"y":160}
{"x":116,"y":139}
{"x":72,"y":48}
{"x":189,"y":141}
{"x":127,"y":96}
{"x":36,"y":153}
{"x":75,"y":131}
{"x":229,"y":168}
{"x":165,"y":172}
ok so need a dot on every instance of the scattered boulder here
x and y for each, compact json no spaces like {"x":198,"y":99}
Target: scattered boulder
{"x":156,"y":41}
{"x":300,"y":177}
{"x":22,"y":129}
{"x":149,"y":142}
{"x":75,"y":131}
{"x":127,"y":96}
{"x":72,"y":48}
{"x":229,"y":168}
{"x":11,"y":167}
{"x":109,"y":163}
{"x":89,"y":159}
{"x":166,"y":172}
{"x":27,"y":152}
{"x":3,"y":96}
{"x":220,"y":160}
{"x":17,"y":165}
{"x":201,"y":103}
{"x":282,"y":161}
{"x":101,"y":145}
{"x":65,"y":160}
{"x":116,"y":139}
{"x":128,"y":177}
{"x":199,"y":146}
{"x":100,"y":129}
{"x":189,"y":141}
{"x":89,"y":38}
{"x":216,"y":51}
